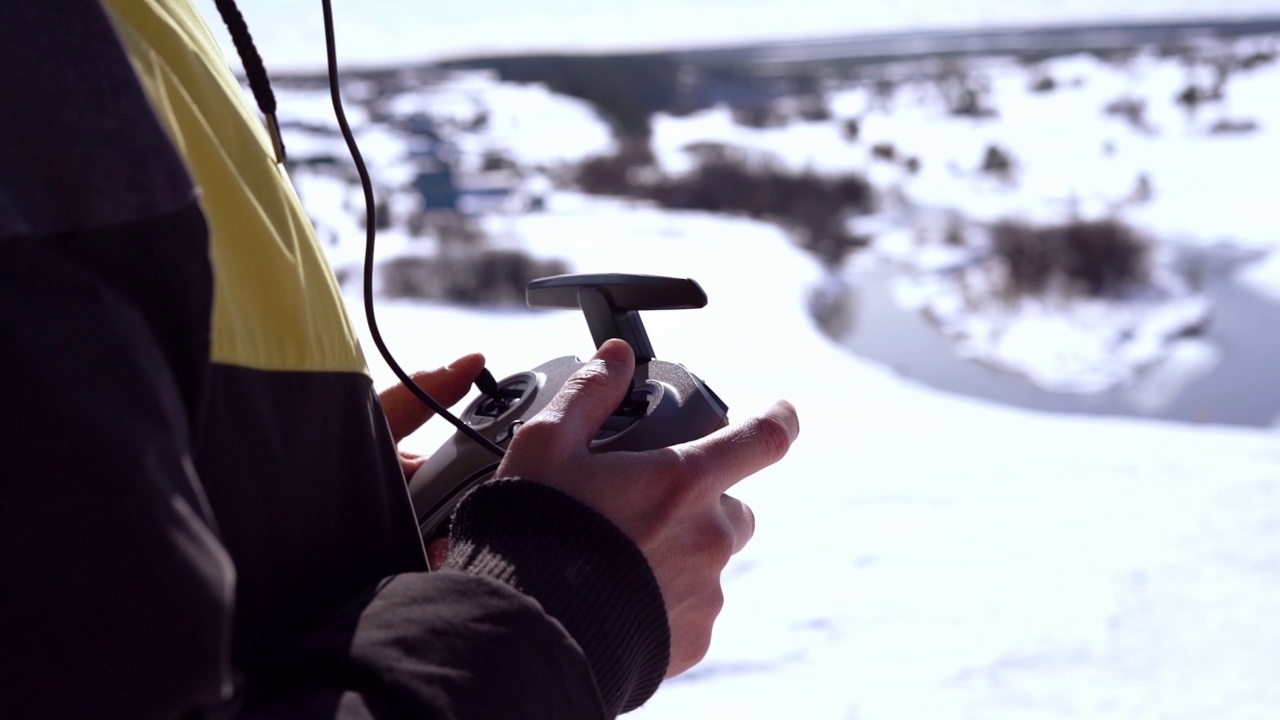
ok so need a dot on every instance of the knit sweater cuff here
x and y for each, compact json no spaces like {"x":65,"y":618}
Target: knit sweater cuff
{"x":583,"y":570}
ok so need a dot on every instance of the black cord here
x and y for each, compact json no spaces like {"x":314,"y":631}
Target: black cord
{"x":369,"y":206}
{"x":254,"y":70}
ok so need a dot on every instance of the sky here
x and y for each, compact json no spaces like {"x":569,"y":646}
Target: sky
{"x":289,"y":33}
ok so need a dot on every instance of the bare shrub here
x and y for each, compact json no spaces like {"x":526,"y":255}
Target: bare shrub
{"x":1095,"y":259}
{"x":1133,"y":110}
{"x":815,"y":206}
{"x":489,"y":278}
{"x":1256,"y":59}
{"x":1043,"y":83}
{"x":964,"y":93}
{"x":851,"y":128}
{"x":997,"y":161}
{"x":759,"y":117}
{"x":1233,"y":126}
{"x":614,"y":174}
{"x":813,"y":108}
{"x":884,"y":151}
{"x":1193,"y":96}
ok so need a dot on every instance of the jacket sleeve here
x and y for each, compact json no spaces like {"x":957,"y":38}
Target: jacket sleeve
{"x":117,"y":595}
{"x":544,"y":610}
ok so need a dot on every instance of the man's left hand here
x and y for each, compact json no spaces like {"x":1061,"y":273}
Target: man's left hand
{"x":406,"y":413}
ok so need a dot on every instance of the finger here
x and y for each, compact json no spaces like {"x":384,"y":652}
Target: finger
{"x":411,"y":463}
{"x":740,"y":519}
{"x":727,"y":456}
{"x":447,"y":385}
{"x":589,"y":396}
{"x":437,"y":553}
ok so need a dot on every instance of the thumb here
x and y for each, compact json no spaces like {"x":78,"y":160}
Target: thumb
{"x":447,"y":385}
{"x":588,"y":397}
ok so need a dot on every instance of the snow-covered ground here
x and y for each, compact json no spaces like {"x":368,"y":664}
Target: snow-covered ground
{"x":1085,"y":139}
{"x":918,"y":555}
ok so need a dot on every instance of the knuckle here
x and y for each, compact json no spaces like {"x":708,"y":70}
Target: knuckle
{"x":716,"y":542}
{"x":714,"y":604}
{"x":772,"y":434}
{"x":591,"y":381}
{"x":750,"y":517}
{"x":540,"y":430}
{"x":721,"y":543}
{"x":693,"y":466}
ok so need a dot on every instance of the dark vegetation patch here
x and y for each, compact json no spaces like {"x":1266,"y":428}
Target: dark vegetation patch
{"x":965,"y":93}
{"x":1094,"y":259}
{"x":1233,"y":126}
{"x":759,"y":117}
{"x":814,"y":206}
{"x":626,"y":89}
{"x":1132,"y":110}
{"x":997,"y":162}
{"x":884,"y":151}
{"x":1193,"y":95}
{"x":1043,"y":83}
{"x":481,"y":277}
{"x":851,"y":129}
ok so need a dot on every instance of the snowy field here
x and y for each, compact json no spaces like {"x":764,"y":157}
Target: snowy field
{"x":1075,"y":138}
{"x":918,"y":555}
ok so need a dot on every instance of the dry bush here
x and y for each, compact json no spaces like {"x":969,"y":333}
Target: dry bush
{"x":1133,"y":110}
{"x":614,"y":174}
{"x":489,"y":278}
{"x":998,"y":162}
{"x":1095,"y":259}
{"x":724,"y":181}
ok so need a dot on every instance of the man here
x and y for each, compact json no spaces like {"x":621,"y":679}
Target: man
{"x":202,"y":510}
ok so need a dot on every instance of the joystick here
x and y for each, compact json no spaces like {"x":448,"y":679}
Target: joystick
{"x":667,"y":404}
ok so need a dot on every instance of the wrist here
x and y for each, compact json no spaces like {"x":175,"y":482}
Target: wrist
{"x":584,"y":572}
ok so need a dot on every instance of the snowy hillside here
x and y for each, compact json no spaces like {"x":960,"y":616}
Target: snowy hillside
{"x":918,"y":555}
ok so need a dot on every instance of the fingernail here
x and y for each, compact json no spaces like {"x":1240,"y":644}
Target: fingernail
{"x":465,"y":360}
{"x":614,"y":352}
{"x":786,"y":413}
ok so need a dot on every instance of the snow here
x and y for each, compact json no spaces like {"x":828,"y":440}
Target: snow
{"x":527,"y":123}
{"x":919,"y":555}
{"x":1263,"y":276}
{"x":1075,"y":157}
{"x":1185,"y":361}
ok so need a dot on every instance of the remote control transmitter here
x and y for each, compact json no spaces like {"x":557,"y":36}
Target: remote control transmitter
{"x":667,"y":404}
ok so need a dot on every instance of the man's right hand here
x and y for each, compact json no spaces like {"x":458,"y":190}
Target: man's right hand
{"x":669,"y":501}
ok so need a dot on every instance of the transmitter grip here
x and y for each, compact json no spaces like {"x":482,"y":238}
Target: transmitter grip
{"x":667,"y":404}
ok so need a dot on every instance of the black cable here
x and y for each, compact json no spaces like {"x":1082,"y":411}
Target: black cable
{"x":254,"y":70}
{"x":367,"y":186}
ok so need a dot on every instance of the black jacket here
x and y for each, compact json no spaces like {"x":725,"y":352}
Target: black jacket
{"x":201,"y":509}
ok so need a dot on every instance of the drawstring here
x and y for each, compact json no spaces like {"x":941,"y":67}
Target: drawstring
{"x":259,"y":83}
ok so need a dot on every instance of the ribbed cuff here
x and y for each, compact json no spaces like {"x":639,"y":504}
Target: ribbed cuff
{"x":585,"y":573}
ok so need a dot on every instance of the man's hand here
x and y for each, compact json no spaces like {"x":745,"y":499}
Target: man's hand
{"x":406,"y":413}
{"x":670,"y":501}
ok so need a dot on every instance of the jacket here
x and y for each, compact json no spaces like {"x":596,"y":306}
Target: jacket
{"x":201,"y":507}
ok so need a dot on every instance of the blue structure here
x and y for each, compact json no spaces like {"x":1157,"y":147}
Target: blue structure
{"x":437,"y":189}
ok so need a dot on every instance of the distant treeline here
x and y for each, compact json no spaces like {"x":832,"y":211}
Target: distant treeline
{"x":627,"y":89}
